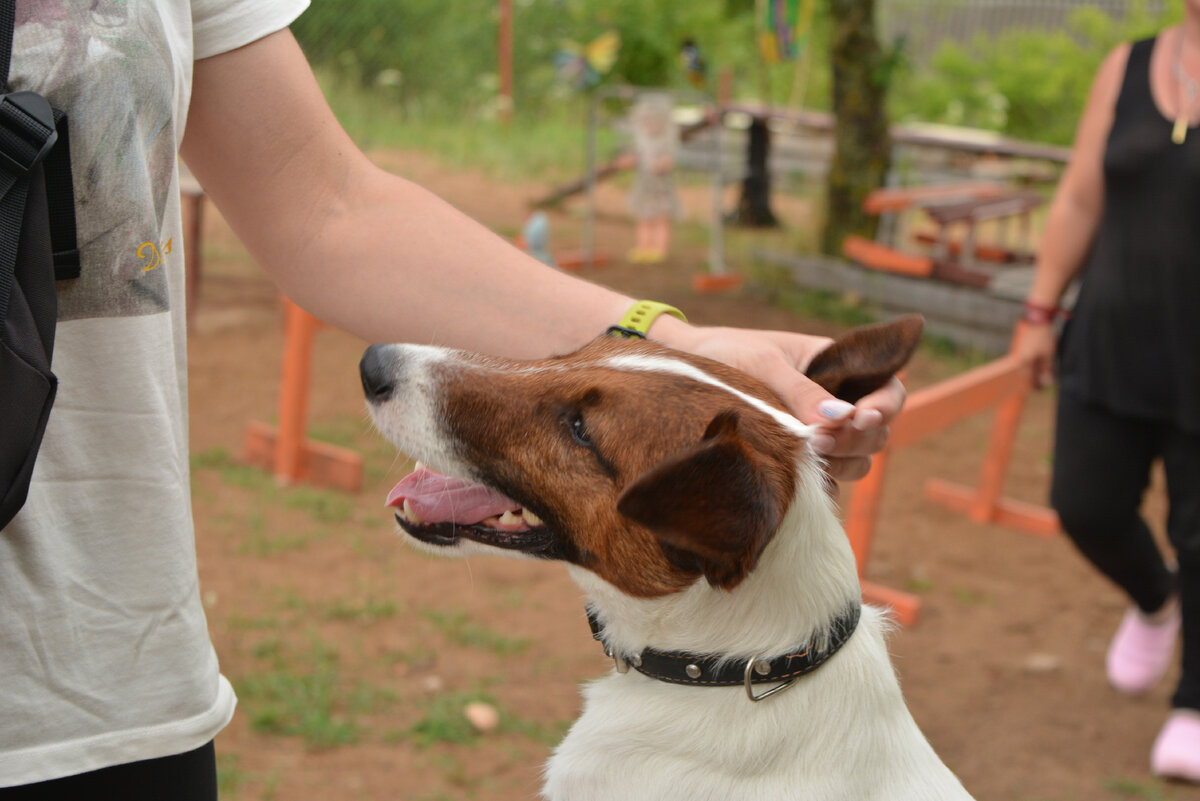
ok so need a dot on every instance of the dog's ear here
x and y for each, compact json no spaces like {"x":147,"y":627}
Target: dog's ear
{"x":865,"y":359}
{"x":712,"y":506}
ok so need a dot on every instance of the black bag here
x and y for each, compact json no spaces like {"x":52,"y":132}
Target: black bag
{"x":37,"y":245}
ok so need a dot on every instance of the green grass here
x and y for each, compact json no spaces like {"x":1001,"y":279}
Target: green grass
{"x":230,"y":778}
{"x":445,"y":722}
{"x":549,"y":147}
{"x":1134,"y":790}
{"x":458,"y":627}
{"x":305,"y":696}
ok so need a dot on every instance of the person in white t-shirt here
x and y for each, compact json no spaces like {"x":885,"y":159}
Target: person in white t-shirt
{"x":109,"y":685}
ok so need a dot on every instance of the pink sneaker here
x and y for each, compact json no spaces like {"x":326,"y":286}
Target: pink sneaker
{"x":1141,"y":652}
{"x":1176,"y":753}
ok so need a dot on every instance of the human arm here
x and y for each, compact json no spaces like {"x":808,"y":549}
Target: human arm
{"x":1074,"y":216}
{"x":383,"y":258}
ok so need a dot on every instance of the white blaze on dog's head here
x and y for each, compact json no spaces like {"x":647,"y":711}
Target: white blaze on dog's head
{"x":650,"y":468}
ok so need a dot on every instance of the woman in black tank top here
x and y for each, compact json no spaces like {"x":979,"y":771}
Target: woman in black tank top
{"x":1126,"y":221}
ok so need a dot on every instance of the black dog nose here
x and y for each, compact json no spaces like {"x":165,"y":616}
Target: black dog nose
{"x":377,"y":376}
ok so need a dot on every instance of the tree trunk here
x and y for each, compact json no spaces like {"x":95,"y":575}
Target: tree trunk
{"x":862,"y":145}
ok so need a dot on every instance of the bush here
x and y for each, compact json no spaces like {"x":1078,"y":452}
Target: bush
{"x":1029,"y":84}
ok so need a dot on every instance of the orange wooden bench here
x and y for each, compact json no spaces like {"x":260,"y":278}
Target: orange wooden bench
{"x":878,"y":256}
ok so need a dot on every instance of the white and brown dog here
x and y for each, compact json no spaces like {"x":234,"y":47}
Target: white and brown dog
{"x":690,"y":508}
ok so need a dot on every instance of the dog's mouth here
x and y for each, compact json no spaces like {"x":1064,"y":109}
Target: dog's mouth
{"x":442,"y":510}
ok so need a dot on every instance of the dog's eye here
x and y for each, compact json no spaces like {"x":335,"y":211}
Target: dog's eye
{"x":578,"y":430}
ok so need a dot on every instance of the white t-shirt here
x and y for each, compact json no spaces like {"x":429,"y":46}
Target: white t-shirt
{"x":104,"y":650}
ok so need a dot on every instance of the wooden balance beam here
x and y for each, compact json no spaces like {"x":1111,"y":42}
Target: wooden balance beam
{"x":1002,"y":385}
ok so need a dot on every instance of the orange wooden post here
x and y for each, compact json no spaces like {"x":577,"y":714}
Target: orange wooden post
{"x":285,"y":450}
{"x":863,"y":510}
{"x":301,"y":329}
{"x":985,"y":503}
{"x":1002,"y":384}
{"x":861,"y":514}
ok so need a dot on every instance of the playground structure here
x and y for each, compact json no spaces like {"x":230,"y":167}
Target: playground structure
{"x":1002,"y":385}
{"x":285,"y":449}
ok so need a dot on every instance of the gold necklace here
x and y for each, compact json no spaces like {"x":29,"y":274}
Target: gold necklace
{"x":1186,"y":86}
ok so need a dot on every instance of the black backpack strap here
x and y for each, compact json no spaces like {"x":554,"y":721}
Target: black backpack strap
{"x":60,"y":189}
{"x":60,"y":198}
{"x":8,"y":21}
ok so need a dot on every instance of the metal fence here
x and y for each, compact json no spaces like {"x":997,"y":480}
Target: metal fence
{"x":925,"y":23}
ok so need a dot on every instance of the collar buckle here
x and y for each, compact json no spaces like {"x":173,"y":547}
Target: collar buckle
{"x":762,"y":667}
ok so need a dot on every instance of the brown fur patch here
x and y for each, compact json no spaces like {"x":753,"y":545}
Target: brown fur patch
{"x":519,"y":425}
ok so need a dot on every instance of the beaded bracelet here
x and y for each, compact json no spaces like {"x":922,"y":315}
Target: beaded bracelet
{"x":1037,"y":314}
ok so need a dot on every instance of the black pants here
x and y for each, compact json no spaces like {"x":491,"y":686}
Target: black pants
{"x":1101,"y":470}
{"x":184,"y":777}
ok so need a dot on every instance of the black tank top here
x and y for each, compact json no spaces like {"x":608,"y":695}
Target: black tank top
{"x":1133,"y":343}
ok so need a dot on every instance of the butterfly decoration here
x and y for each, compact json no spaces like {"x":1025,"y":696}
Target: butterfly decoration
{"x":584,"y":66}
{"x":691,"y":58}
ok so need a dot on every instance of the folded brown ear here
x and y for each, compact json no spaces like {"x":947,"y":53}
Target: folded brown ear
{"x":866,"y":358}
{"x":710,"y":507}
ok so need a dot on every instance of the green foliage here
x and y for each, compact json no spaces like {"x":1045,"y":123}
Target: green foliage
{"x":1029,"y":84}
{"x":435,"y":61}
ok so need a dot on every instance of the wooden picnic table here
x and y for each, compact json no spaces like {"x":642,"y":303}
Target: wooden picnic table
{"x":949,"y":256}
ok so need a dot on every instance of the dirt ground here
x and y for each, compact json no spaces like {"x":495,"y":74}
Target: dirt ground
{"x":353,"y":655}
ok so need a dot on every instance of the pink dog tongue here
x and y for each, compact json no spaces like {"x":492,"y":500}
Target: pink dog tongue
{"x":436,"y":498}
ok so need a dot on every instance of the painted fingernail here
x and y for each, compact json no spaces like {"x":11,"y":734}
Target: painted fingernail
{"x":823,"y":443}
{"x":866,"y":420}
{"x":835,"y":409}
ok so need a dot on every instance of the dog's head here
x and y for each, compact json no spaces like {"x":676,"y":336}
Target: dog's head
{"x":649,"y":467}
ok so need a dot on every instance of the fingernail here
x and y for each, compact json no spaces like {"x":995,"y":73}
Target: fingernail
{"x":823,"y":443}
{"x":866,"y":420}
{"x":834,"y":409}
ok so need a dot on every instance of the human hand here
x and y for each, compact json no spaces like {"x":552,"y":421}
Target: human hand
{"x":1037,"y":345}
{"x":849,"y":435}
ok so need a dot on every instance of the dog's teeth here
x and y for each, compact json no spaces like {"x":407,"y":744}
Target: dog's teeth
{"x":419,"y":466}
{"x":531,"y":518}
{"x":409,"y":514}
{"x":510,"y":519}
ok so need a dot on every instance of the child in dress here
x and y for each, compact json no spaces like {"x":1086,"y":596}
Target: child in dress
{"x":653,"y":201}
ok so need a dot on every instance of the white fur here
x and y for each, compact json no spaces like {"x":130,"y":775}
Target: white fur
{"x":842,"y":733}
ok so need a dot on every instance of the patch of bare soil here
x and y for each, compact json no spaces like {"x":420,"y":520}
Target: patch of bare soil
{"x":353,"y":655}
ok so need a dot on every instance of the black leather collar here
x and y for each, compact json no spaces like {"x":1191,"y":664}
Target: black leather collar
{"x":707,"y":670}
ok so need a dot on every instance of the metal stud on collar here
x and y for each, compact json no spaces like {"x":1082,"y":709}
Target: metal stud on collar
{"x":693,"y":670}
{"x":755,"y":666}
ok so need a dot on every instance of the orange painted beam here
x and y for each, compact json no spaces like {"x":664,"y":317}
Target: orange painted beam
{"x":1038,"y":521}
{"x":892,"y":200}
{"x":905,"y":607}
{"x":881,"y":257}
{"x":933,"y":408}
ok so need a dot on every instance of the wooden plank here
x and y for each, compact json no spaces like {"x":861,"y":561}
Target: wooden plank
{"x":933,"y":408}
{"x":881,"y":257}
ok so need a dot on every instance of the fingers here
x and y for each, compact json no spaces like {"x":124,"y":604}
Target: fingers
{"x":848,"y":434}
{"x":850,"y":468}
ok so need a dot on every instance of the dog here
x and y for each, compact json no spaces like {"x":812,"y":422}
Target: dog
{"x":689,"y":506}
